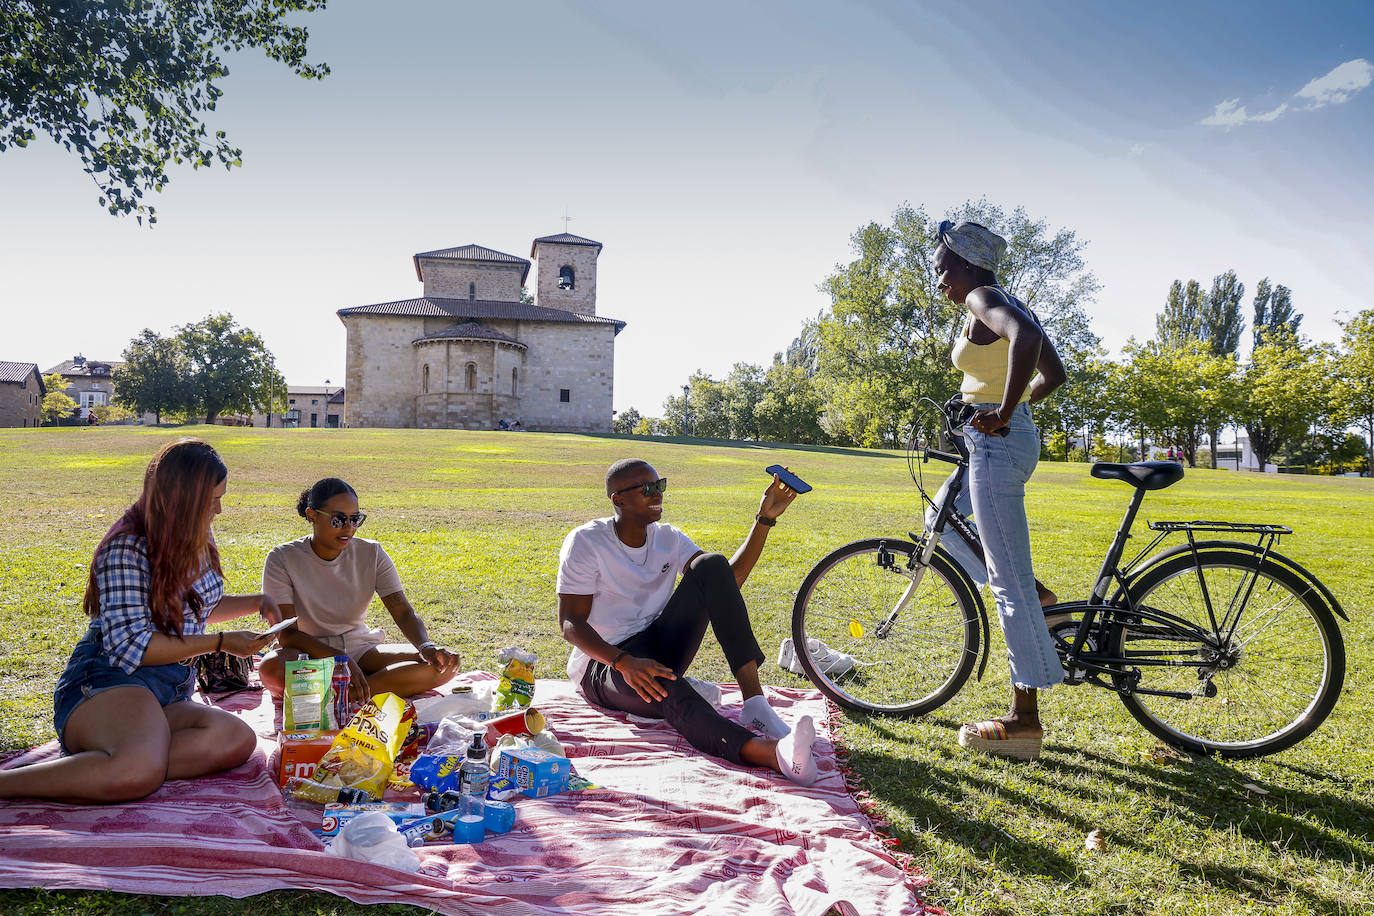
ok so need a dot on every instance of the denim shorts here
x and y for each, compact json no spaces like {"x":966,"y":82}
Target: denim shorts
{"x":89,"y":672}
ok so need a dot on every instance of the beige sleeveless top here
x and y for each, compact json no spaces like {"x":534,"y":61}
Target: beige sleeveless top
{"x":984,"y":367}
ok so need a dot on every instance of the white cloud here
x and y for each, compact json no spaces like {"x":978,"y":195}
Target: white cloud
{"x":1229,"y":113}
{"x":1339,"y":85}
{"x":1136,"y":151}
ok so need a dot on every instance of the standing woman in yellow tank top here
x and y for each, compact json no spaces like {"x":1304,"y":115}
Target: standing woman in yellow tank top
{"x":1008,"y":364}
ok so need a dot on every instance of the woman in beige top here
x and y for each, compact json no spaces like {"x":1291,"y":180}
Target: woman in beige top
{"x":326,"y":580}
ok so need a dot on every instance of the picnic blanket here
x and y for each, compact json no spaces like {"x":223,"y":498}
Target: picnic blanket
{"x":669,"y":831}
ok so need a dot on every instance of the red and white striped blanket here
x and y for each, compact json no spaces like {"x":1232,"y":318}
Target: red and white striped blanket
{"x":669,"y":830}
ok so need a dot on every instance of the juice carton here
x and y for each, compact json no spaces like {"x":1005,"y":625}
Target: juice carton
{"x":535,"y":772}
{"x":301,"y":753}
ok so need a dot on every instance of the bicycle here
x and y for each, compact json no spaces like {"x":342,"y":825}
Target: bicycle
{"x":1213,"y":645}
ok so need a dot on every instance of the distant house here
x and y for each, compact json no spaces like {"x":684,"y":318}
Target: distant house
{"x":21,"y":394}
{"x":307,"y":406}
{"x":1238,"y":456}
{"x":90,"y":383}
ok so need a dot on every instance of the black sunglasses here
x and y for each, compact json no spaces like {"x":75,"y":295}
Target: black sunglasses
{"x":649,"y":489}
{"x":339,"y":519}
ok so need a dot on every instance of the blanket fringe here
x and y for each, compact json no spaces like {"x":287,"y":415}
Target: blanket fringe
{"x":915,"y":878}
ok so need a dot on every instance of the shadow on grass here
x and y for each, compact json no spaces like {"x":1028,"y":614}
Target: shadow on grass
{"x":1065,"y":792}
{"x":745,"y":444}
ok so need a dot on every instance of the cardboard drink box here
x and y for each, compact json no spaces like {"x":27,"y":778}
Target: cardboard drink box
{"x":301,"y":753}
{"x":534,"y":771}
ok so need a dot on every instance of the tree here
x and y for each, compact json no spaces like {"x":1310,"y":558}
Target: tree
{"x":790,"y":410}
{"x":1177,"y":393}
{"x":155,"y":377}
{"x":1221,"y":326}
{"x":1181,"y":319}
{"x":56,"y":403}
{"x":625,"y":421}
{"x":1083,"y":404}
{"x":1220,"y":323}
{"x":126,"y":84}
{"x":232,"y":370}
{"x":887,"y":338}
{"x":1353,"y":394}
{"x":1273,"y":311}
{"x":1286,"y":387}
{"x":745,"y":388}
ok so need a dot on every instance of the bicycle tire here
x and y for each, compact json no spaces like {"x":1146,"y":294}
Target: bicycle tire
{"x":915,"y":666}
{"x":1284,"y":664}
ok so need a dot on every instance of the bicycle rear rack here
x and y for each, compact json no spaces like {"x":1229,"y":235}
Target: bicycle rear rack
{"x":1234,"y":527}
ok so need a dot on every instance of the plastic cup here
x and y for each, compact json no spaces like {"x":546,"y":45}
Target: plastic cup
{"x":526,"y":722}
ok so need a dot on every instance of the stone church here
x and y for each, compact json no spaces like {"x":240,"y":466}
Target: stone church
{"x":469,"y":354}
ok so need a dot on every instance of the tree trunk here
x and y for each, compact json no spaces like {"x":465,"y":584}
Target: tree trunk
{"x":1212,"y":436}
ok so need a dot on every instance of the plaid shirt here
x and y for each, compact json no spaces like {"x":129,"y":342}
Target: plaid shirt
{"x":126,"y":624}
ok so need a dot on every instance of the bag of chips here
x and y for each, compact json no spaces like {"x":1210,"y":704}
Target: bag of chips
{"x":305,"y":706}
{"x":361,"y":757}
{"x":517,"y":678}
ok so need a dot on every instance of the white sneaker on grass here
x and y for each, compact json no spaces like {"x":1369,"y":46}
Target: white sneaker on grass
{"x":831,"y":663}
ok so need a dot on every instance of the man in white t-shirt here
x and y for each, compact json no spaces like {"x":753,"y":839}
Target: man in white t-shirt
{"x":634,"y":634}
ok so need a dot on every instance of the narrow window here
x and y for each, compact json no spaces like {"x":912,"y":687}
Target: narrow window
{"x":514,"y":382}
{"x":424,"y":380}
{"x":565,"y":395}
{"x":567,"y":278}
{"x":472,"y":376}
{"x":472,"y":291}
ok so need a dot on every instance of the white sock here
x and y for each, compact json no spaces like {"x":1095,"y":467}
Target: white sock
{"x":758,"y":715}
{"x":794,"y":753}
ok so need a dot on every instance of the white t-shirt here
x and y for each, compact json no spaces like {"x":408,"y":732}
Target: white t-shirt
{"x":330,"y":596}
{"x":629,"y":586}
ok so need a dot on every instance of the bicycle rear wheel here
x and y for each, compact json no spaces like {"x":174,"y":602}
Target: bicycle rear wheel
{"x":1262,"y":687}
{"x":912,"y":634}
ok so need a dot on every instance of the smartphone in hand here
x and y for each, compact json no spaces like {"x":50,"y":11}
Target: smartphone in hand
{"x":787,"y":477}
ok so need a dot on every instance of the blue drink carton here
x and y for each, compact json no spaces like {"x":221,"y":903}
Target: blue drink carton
{"x":535,"y":772}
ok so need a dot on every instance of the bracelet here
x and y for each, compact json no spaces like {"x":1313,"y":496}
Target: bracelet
{"x":427,"y":644}
{"x":765,"y":520}
{"x":219,"y":643}
{"x":618,"y":656}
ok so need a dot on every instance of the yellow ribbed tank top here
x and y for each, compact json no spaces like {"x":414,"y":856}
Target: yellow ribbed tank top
{"x":984,"y":367}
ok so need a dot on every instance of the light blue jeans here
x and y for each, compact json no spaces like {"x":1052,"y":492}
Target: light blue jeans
{"x":995,"y":491}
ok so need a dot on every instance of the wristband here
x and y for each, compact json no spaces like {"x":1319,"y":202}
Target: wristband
{"x":618,"y":656}
{"x":765,"y":520}
{"x":219,"y":643}
{"x":427,"y":644}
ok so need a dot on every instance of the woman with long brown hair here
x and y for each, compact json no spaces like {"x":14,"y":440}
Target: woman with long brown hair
{"x":120,"y":707}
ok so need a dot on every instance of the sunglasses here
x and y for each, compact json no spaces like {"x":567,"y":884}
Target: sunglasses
{"x":339,"y":519}
{"x":649,"y":489}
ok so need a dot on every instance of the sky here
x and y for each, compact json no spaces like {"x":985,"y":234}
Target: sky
{"x":723,"y":153}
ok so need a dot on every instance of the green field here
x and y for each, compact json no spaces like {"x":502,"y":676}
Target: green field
{"x":474,"y":521}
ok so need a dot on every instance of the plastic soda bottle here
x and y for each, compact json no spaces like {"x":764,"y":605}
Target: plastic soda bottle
{"x":473,"y":778}
{"x":338,"y":689}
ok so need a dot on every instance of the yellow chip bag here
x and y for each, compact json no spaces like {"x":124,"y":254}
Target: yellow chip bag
{"x":361,"y":757}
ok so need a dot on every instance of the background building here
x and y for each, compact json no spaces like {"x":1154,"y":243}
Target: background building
{"x":469,"y":353}
{"x":21,"y":394}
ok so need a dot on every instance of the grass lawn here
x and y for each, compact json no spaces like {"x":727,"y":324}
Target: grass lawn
{"x":474,"y":521}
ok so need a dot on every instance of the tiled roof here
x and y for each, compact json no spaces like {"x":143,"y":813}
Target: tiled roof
{"x":472,"y":253}
{"x":17,"y":372}
{"x":69,"y":367}
{"x":471,"y":330}
{"x":470,"y":309}
{"x":565,"y":238}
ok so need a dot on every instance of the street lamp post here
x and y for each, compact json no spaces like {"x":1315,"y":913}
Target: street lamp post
{"x":686,"y":412}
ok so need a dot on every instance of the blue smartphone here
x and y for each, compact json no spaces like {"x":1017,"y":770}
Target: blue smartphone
{"x":787,"y":477}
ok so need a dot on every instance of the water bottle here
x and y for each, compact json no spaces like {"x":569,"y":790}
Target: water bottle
{"x":473,"y":778}
{"x":338,"y":688}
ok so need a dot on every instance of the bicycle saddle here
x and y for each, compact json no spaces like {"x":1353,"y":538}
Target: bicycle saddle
{"x":1143,"y":475}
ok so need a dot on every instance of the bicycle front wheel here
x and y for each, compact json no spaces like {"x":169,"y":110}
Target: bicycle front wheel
{"x":878,"y":636}
{"x":1260,"y":672}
